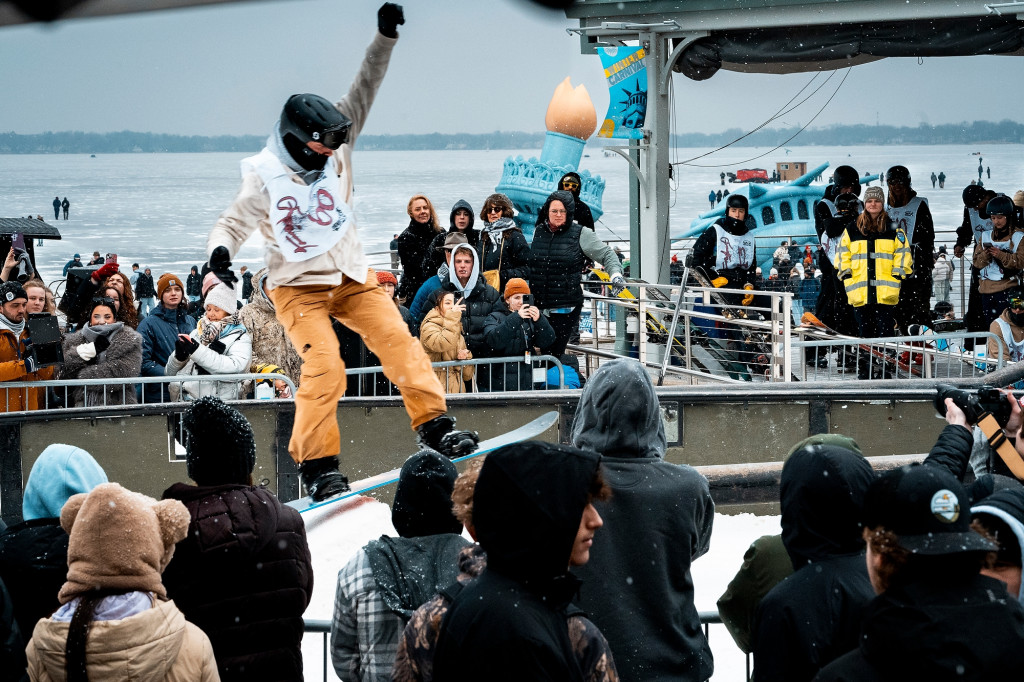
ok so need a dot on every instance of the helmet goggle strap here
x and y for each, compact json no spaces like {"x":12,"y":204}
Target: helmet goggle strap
{"x":336,"y":136}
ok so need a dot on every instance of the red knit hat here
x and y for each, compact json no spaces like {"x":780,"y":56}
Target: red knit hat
{"x":514,"y":286}
{"x":385,"y":277}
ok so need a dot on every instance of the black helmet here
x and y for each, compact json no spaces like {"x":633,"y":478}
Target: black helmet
{"x":311,"y":118}
{"x":1000,"y":204}
{"x":847,"y":203}
{"x":973,"y":194}
{"x":846,"y":176}
{"x":737,"y":201}
{"x":898,"y":175}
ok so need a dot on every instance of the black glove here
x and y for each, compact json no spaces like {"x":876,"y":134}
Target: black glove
{"x":184,"y":347}
{"x":220,"y":265}
{"x":389,"y":17}
{"x":218,"y":347}
{"x":101,"y":344}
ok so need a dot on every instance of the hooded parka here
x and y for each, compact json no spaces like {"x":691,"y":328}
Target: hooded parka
{"x":434,"y":258}
{"x":637,"y":586}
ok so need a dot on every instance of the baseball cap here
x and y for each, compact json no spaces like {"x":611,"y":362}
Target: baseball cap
{"x":927,"y":508}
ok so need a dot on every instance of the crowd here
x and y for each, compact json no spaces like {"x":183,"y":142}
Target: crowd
{"x":875,"y":576}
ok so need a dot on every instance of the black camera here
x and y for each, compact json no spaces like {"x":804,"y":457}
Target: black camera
{"x":44,"y":330}
{"x":986,"y":399}
{"x":527,"y":300}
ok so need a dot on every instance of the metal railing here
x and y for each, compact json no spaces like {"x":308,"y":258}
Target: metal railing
{"x":323,"y":628}
{"x":373,"y":383}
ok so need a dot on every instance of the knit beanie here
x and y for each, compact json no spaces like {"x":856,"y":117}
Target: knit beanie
{"x":166,"y":280}
{"x":874,"y":193}
{"x":423,"y":500}
{"x":223,"y":296}
{"x":210,"y":281}
{"x":385,"y":277}
{"x":219,"y":445}
{"x":60,"y":472}
{"x":119,"y":540}
{"x":515,"y":286}
{"x":10,"y":291}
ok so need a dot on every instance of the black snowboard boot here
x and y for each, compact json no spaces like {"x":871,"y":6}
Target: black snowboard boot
{"x":322,"y":478}
{"x":439,"y":434}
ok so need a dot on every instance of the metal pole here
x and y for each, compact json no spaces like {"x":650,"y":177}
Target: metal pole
{"x":672,"y":328}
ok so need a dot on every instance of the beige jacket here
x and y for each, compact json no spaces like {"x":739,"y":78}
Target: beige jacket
{"x":157,"y":644}
{"x":250,"y":210}
{"x":442,"y":339}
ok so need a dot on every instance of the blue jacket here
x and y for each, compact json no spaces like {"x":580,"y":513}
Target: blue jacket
{"x":159,"y":331}
{"x":421,"y":303}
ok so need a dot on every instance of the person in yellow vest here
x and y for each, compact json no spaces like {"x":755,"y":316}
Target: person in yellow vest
{"x":872,"y":260}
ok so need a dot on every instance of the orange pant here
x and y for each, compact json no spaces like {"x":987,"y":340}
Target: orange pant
{"x":305,"y":312}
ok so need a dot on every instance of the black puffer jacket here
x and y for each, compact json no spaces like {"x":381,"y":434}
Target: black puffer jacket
{"x":556,"y":260}
{"x":244,"y":575}
{"x":637,"y":585}
{"x":969,"y":632}
{"x":510,"y":254}
{"x":813,"y":616}
{"x":435,"y":254}
{"x":34,"y":566}
{"x":413,"y":245}
{"x":510,"y":623}
{"x":508,"y":334}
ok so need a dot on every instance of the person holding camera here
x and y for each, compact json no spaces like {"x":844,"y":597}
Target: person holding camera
{"x":17,"y":361}
{"x":517,"y":331}
{"x":102,"y":349}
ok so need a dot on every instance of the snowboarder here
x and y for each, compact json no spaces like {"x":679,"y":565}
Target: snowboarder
{"x":910,"y":213}
{"x":317,"y":269}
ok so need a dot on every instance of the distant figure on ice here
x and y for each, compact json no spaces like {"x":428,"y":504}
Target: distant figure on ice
{"x":317,"y":269}
{"x":711,"y":198}
{"x":56,"y":208}
{"x":75,"y":262}
{"x":981,"y":169}
{"x":66,"y":205}
{"x":988,"y":172}
{"x":934,"y":179}
{"x":718,"y":197}
{"x":942,"y":180}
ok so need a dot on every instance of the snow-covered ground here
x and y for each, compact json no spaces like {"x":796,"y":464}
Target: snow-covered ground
{"x":335,"y":534}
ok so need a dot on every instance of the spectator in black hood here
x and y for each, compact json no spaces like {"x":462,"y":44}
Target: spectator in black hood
{"x":936,"y":617}
{"x":461,"y":220}
{"x":533,"y":515}
{"x":813,"y":616}
{"x":637,"y":585}
{"x":389,"y":578}
{"x":571,"y":182}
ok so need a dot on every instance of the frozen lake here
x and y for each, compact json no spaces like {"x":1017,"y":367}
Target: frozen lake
{"x":156,"y":209}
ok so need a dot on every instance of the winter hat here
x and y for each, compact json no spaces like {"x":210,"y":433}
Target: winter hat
{"x":119,"y":540}
{"x":927,"y":508}
{"x":60,"y":472}
{"x":219,"y":444}
{"x":385,"y":277}
{"x":516,"y":285}
{"x":223,"y":296}
{"x":10,"y":291}
{"x":423,"y":500}
{"x":773,"y":273}
{"x":209,"y":281}
{"x":874,"y":193}
{"x":166,"y":280}
{"x":453,"y":240}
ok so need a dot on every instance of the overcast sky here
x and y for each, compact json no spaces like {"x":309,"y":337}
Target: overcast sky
{"x":460,"y":66}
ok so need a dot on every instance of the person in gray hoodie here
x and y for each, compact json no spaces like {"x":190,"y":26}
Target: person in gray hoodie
{"x":637,"y":585}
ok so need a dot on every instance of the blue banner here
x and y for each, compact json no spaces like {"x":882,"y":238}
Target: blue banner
{"x":625,"y":68}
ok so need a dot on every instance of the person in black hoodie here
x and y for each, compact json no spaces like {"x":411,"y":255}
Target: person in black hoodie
{"x":813,"y":616}
{"x":461,"y":220}
{"x":243,"y":573}
{"x":515,"y":331}
{"x":414,"y":243}
{"x":194,"y":285}
{"x":389,"y":578}
{"x":534,"y":516}
{"x":637,"y":585}
{"x":830,"y":223}
{"x":936,"y":617}
{"x":571,"y":182}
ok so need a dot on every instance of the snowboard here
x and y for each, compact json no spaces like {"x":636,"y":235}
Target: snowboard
{"x":894,"y":364}
{"x":525,"y":432}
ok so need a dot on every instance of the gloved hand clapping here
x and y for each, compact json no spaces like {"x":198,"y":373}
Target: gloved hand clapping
{"x":86,"y":351}
{"x":220,"y":265}
{"x":101,"y":344}
{"x":618,"y":284}
{"x":184,"y":346}
{"x":389,"y":18}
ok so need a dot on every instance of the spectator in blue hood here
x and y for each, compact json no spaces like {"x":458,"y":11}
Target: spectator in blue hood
{"x":34,"y":553}
{"x":637,"y":586}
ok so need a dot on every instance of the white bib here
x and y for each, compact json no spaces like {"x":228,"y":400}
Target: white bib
{"x":308,"y":220}
{"x":905,"y":217}
{"x":831,"y":244}
{"x":994,"y":271}
{"x":978,"y":226}
{"x":1016,"y":348}
{"x":733,"y":251}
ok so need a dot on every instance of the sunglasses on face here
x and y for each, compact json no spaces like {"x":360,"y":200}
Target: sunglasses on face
{"x":494,"y":209}
{"x":570,"y":184}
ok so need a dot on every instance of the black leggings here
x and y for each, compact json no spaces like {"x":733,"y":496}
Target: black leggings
{"x":565,"y":325}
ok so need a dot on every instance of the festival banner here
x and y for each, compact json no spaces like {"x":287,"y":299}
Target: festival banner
{"x":625,"y":68}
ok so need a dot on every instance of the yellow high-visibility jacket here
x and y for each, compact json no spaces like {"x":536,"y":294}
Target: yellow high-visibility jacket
{"x":872,"y":266}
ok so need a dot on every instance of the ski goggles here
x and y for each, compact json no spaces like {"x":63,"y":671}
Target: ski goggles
{"x":1016,"y":302}
{"x":336,"y":135}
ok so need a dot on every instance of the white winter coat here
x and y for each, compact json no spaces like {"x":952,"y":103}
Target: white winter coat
{"x":234,"y":360}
